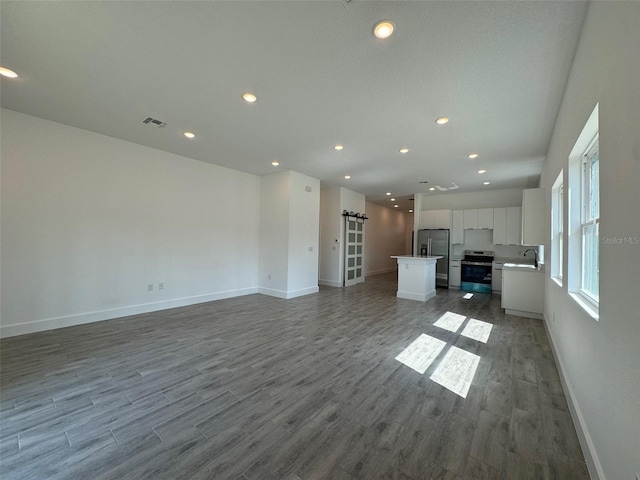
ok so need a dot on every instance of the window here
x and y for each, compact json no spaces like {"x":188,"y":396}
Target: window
{"x":557,"y":229}
{"x":582,"y":192}
{"x":590,"y":220}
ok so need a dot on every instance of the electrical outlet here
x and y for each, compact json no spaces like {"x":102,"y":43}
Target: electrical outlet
{"x":150,"y":287}
{"x":311,"y":249}
{"x":269,"y":276}
{"x":161,"y":286}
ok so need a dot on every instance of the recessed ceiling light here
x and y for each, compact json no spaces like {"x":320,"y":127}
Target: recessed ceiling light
{"x":442,"y":120}
{"x":486,"y":183}
{"x":383,"y":29}
{"x":347,"y":177}
{"x":473,"y":155}
{"x":482,"y":171}
{"x":5,"y":72}
{"x":338,"y":147}
{"x":392,"y":199}
{"x":275,"y":163}
{"x":189,"y":134}
{"x":388,"y":193}
{"x":249,"y":97}
{"x":432,"y":188}
{"x":410,"y":211}
{"x":404,"y":150}
{"x":395,"y":206}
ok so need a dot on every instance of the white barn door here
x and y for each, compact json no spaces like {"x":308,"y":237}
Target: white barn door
{"x":354,"y":251}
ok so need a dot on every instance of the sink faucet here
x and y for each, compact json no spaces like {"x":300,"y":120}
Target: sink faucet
{"x":535,"y":256}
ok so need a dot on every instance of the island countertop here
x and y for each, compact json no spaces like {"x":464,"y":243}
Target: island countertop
{"x":414,"y":257}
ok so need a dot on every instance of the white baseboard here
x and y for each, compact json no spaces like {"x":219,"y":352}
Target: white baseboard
{"x":380,"y":272}
{"x":420,"y":297}
{"x":82,"y":318}
{"x":288,"y":294}
{"x":302,"y":291}
{"x":329,"y":283}
{"x":272,"y":292}
{"x":520,"y":313}
{"x":588,"y":449}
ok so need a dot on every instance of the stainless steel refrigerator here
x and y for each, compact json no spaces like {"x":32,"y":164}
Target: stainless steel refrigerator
{"x":435,"y":242}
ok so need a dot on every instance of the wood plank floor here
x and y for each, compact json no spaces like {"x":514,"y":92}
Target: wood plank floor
{"x":263,"y":388}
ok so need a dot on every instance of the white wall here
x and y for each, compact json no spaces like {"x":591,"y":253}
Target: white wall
{"x":88,"y":221}
{"x":600,"y":360}
{"x":304,"y":224}
{"x":289,"y":222}
{"x":333,"y":201}
{"x":409,"y":233}
{"x":330,"y":226}
{"x":385,"y":235}
{"x":274,"y":234}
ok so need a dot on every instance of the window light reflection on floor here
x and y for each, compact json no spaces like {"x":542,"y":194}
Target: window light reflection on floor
{"x":421,"y":353}
{"x":477,"y":330}
{"x":456,"y":370}
{"x":450,"y":321}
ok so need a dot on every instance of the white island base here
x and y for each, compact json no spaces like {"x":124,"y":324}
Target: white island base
{"x":416,"y":277}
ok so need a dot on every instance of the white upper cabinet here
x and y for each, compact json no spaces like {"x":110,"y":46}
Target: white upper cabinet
{"x":507,"y":226}
{"x":485,"y":218}
{"x":478,"y":218}
{"x":471,"y":219}
{"x":442,"y":219}
{"x":457,"y":227}
{"x":514,"y":226}
{"x":500,"y":226}
{"x":435,"y":219}
{"x":533,"y":217}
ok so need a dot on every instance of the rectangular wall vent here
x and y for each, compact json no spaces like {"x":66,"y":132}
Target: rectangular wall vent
{"x":154,"y":122}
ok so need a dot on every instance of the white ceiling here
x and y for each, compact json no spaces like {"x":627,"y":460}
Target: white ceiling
{"x":497,"y":69}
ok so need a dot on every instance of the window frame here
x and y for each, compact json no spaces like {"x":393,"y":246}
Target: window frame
{"x":557,"y":229}
{"x":588,"y":218}
{"x":577,"y":222}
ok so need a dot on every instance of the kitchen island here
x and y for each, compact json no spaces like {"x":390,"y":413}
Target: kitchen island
{"x":416,"y":277}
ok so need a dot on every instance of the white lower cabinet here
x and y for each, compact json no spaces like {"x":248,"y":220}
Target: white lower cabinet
{"x":496,"y":276}
{"x":523,"y":292}
{"x":454,"y":273}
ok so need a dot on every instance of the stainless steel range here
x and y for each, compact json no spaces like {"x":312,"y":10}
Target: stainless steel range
{"x":476,"y":271}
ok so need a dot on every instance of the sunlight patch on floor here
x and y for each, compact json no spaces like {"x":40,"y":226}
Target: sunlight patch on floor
{"x":477,"y":330}
{"x":456,"y":370}
{"x":421,"y":353}
{"x":450,"y":321}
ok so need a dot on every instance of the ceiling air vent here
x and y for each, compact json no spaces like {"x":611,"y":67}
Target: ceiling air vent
{"x":154,"y":122}
{"x":453,"y":186}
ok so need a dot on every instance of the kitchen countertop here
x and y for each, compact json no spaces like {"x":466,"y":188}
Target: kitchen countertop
{"x":522,"y":260}
{"x":523,"y":267}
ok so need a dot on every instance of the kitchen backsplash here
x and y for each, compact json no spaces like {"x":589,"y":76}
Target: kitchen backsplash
{"x":483,"y":240}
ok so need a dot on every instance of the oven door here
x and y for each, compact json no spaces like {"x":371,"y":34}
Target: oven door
{"x":475,"y":278}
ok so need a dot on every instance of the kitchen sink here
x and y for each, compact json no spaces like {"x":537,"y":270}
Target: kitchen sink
{"x":520,"y":266}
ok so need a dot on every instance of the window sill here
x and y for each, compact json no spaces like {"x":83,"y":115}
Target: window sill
{"x":557,"y":280}
{"x":592,"y":310}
